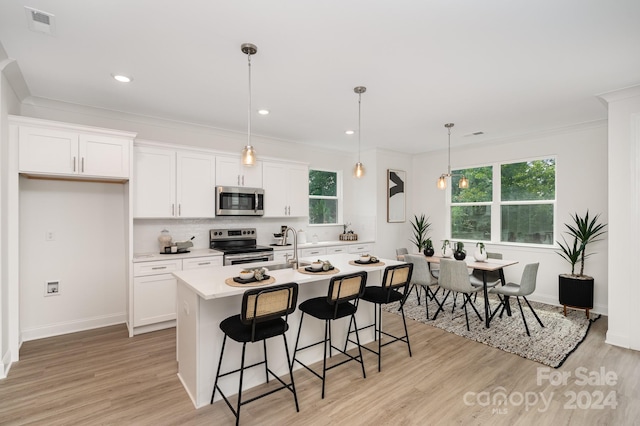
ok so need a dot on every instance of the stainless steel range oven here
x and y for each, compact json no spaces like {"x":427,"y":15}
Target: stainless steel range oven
{"x":239,"y":246}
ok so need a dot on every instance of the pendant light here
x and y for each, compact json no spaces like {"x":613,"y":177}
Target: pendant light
{"x":358,"y":170}
{"x":248,"y":157}
{"x":463,"y":183}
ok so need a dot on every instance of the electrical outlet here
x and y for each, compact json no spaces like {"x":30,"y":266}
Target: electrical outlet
{"x":49,"y":236}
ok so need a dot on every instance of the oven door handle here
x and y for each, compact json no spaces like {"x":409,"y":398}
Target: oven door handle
{"x":255,"y":201}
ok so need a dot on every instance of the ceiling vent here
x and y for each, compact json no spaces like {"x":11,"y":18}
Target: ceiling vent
{"x":40,"y":21}
{"x":475,"y":134}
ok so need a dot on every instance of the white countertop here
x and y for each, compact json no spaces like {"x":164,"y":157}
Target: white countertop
{"x":209,"y":283}
{"x":154,"y":256}
{"x":151,"y":257}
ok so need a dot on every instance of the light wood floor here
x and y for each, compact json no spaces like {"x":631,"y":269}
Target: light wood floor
{"x":103,"y":377}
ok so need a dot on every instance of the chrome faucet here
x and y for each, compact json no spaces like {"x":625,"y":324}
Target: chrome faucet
{"x":294,"y":260}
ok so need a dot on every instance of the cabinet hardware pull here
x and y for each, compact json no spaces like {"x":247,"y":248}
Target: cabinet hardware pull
{"x":242,"y":180}
{"x":204,"y":263}
{"x":158,"y":267}
{"x":173,"y":209}
{"x":74,"y":164}
{"x":238,"y":180}
{"x":180,"y":209}
{"x":82,"y":167}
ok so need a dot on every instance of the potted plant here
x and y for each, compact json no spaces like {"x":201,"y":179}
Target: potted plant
{"x":428,"y":248}
{"x":480,"y":255}
{"x":459,"y":253}
{"x":420,"y":227}
{"x":576,"y":290}
{"x":446,"y":249}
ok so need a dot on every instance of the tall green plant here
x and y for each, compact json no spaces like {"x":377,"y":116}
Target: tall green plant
{"x":420,"y":225}
{"x":584,"y":231}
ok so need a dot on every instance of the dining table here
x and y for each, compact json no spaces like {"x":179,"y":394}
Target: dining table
{"x":489,"y":265}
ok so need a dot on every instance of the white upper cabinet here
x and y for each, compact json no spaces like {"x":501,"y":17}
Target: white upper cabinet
{"x":286,"y":188}
{"x":57,"y":149}
{"x":196,"y":193}
{"x":231,"y":172}
{"x":173,"y":184}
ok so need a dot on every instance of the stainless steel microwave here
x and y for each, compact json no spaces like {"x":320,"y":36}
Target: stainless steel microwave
{"x":239,"y":201}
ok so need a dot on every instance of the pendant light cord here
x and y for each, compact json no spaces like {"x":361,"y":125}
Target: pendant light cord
{"x":249,"y":111}
{"x":359,"y":126}
{"x":449,"y":155}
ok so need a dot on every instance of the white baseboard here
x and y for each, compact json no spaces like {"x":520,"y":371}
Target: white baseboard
{"x":5,"y":364}
{"x":617,"y":340}
{"x":550,"y":300}
{"x":154,"y":327}
{"x":71,"y":326}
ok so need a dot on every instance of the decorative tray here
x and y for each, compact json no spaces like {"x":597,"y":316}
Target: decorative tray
{"x":250,"y":280}
{"x":178,"y":252}
{"x":308,"y":269}
{"x":368,"y":262}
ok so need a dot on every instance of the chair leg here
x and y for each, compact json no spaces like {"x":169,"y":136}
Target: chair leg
{"x":295,"y":348}
{"x":215,"y":383}
{"x":266,"y":364}
{"x":406,"y":332}
{"x":426,"y":300}
{"x":353,"y":317}
{"x":244,"y":349}
{"x":534,"y":312}
{"x":523,"y":318}
{"x":324,"y":353}
{"x":474,"y":307}
{"x":293,"y":385}
{"x":466,"y":315}
{"x":380,"y":336}
{"x":441,"y":305}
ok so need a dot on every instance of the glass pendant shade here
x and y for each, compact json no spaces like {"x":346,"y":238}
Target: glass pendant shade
{"x":442,"y":182}
{"x":358,"y":170}
{"x":248,"y":156}
{"x":463,"y":183}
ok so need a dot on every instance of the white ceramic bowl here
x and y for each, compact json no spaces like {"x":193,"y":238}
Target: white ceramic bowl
{"x":365,"y":258}
{"x":316,"y":266}
{"x":245,"y":275}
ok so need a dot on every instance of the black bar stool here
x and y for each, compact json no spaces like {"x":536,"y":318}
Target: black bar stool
{"x":394,"y":288}
{"x":341,"y":301}
{"x":261,"y":318}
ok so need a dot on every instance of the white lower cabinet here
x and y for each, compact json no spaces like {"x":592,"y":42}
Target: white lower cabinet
{"x":154,"y":299}
{"x":154,"y":290}
{"x":337,"y":249}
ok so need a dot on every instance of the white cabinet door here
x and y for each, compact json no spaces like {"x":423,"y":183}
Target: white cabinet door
{"x":154,"y":188}
{"x":103,"y":156}
{"x":274,"y":180}
{"x":196,"y":197}
{"x":282,"y":255}
{"x":230,"y":172}
{"x":298,"y":191}
{"x":337,"y":249}
{"x":154,"y":299}
{"x":48,"y":151}
{"x":286,"y":188}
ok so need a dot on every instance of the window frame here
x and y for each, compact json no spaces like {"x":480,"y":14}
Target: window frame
{"x":337,"y":197}
{"x":496,"y":204}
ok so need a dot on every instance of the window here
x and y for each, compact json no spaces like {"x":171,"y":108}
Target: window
{"x":324,"y":197}
{"x":512,"y":202}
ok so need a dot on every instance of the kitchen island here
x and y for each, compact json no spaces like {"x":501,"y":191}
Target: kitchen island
{"x":204,"y":300}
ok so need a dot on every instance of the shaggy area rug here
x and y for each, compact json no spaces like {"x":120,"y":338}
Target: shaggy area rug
{"x":550,"y":345}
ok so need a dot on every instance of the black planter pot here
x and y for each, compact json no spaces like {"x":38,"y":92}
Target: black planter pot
{"x":459,"y":255}
{"x":575,"y":292}
{"x":429,"y":252}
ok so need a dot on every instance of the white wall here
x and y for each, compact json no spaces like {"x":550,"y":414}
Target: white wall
{"x":88,"y":222}
{"x":581,"y":184}
{"x":624,"y":216}
{"x":9,"y":104}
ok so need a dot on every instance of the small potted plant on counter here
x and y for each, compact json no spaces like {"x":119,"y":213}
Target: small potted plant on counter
{"x":459,"y":253}
{"x":576,"y":290}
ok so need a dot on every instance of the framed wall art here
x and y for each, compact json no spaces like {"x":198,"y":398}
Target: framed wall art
{"x":396,"y":195}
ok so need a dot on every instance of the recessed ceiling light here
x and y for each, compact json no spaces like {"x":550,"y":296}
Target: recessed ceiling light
{"x":263,"y":111}
{"x":122,"y":78}
{"x":350,"y":132}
